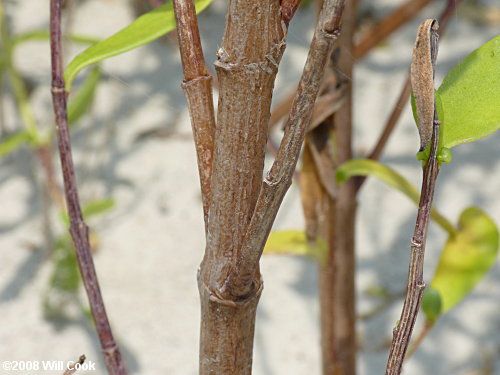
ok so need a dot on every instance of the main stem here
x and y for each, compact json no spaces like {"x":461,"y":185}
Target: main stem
{"x":78,"y":229}
{"x":246,"y":66}
{"x":243,"y":204}
{"x":416,"y":285}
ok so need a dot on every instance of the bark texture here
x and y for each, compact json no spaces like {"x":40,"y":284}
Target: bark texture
{"x":330,"y":146}
{"x":247,"y":63}
{"x":243,"y":204}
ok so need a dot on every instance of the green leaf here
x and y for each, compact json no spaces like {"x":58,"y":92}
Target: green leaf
{"x":294,"y":242}
{"x":65,"y":275}
{"x":14,"y":141}
{"x":97,"y":207}
{"x":84,"y":97}
{"x":143,"y":30}
{"x":44,"y":35}
{"x":431,"y":304}
{"x":470,"y":97}
{"x":64,"y":282}
{"x":368,"y":167}
{"x":91,"y":209}
{"x":466,"y":257}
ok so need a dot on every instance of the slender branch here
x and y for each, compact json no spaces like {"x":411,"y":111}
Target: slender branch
{"x":416,"y":284}
{"x":197,"y":87}
{"x":78,"y":228}
{"x":327,"y":103}
{"x":74,"y":368}
{"x":374,"y":36}
{"x":388,"y":25}
{"x":403,"y":97}
{"x":278,"y":179}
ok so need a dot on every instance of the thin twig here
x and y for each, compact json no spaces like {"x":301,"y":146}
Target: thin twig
{"x":197,"y":87}
{"x":422,"y":80}
{"x":278,"y":179}
{"x":78,"y":229}
{"x":74,"y":368}
{"x":372,"y":38}
{"x":416,"y":284}
{"x":403,"y":97}
{"x":388,"y":25}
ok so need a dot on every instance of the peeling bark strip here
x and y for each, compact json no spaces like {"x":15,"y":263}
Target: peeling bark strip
{"x":422,"y":77}
{"x":78,"y":229}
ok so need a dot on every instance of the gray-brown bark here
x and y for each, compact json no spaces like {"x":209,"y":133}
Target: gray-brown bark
{"x":247,"y":64}
{"x":243,"y":207}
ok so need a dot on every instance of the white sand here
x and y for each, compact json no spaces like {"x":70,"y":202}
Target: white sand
{"x":152,"y":242}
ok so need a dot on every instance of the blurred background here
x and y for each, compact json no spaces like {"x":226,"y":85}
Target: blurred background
{"x":138,"y":180}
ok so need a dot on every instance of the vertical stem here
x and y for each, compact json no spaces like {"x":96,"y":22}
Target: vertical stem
{"x":403,"y":330}
{"x":243,"y":206}
{"x":336,"y":276}
{"x":197,"y":87}
{"x":78,"y":228}
{"x":247,"y":63}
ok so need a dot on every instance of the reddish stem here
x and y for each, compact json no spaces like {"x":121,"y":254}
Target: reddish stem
{"x":78,"y":229}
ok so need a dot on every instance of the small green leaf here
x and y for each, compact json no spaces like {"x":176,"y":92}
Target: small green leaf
{"x":294,"y":242}
{"x":84,"y":97}
{"x":14,"y":141}
{"x":470,"y":97}
{"x":367,"y":167}
{"x":97,"y":207}
{"x":143,"y":30}
{"x":466,"y":257}
{"x":431,"y":304}
{"x":91,"y":209}
{"x":444,"y":155}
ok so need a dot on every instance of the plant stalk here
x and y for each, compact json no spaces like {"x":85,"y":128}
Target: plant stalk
{"x":243,"y":207}
{"x":416,"y":285}
{"x":278,"y":179}
{"x":337,"y":219}
{"x":246,"y":66}
{"x":197,"y":85}
{"x":78,"y":229}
